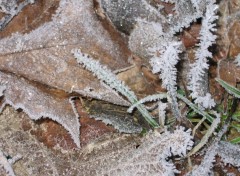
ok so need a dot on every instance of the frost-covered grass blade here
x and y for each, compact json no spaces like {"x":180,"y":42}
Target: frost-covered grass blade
{"x":106,"y":75}
{"x":230,"y":89}
{"x":196,"y":108}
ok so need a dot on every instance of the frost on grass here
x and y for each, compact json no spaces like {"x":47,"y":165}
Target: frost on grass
{"x":105,"y":75}
{"x":200,"y":66}
{"x":164,"y":62}
{"x":38,"y":104}
{"x":156,"y":42}
{"x":163,"y":51}
{"x":149,"y":34}
{"x":205,"y":168}
{"x":44,"y":55}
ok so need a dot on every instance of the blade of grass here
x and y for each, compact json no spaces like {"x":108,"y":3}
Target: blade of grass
{"x":196,"y":108}
{"x":235,"y":140}
{"x":230,"y":89}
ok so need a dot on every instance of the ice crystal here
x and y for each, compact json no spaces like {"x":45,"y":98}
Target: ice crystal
{"x":200,"y":66}
{"x":164,"y":62}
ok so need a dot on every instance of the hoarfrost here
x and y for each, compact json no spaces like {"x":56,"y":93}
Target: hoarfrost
{"x":38,"y":104}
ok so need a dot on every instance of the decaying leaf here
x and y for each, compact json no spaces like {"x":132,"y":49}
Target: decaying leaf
{"x":37,"y":104}
{"x":11,"y":8}
{"x":124,"y":14}
{"x":228,"y":29}
{"x":113,"y":154}
{"x":46,"y":51}
{"x":228,"y":71}
{"x":229,"y":41}
{"x":31,"y":17}
{"x":40,"y":73}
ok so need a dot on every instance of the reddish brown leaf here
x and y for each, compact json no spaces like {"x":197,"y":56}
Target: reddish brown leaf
{"x":39,"y":103}
{"x":31,"y":17}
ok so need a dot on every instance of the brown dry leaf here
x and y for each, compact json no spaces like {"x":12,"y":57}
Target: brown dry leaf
{"x":31,"y":17}
{"x":190,"y":36}
{"x":115,"y":154}
{"x":46,"y":51}
{"x":228,"y":44}
{"x":37,"y":104}
{"x":229,"y":27}
{"x":229,"y":71}
{"x":45,"y":68}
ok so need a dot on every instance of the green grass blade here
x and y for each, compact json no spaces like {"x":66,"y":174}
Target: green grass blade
{"x":196,"y":108}
{"x":235,"y":140}
{"x":230,"y":89}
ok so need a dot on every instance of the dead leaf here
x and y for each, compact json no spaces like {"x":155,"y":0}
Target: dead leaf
{"x":38,"y":104}
{"x":44,"y":55}
{"x":228,"y":71}
{"x":41,"y":74}
{"x":115,"y":154}
{"x":228,"y":28}
{"x":31,"y":17}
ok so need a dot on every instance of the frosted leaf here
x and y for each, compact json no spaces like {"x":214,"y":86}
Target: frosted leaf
{"x":47,"y":51}
{"x":11,"y":8}
{"x":122,"y":124}
{"x":185,"y":14}
{"x":237,"y":60}
{"x":144,"y":36}
{"x":124,"y":14}
{"x":4,"y":162}
{"x":37,"y":103}
{"x":149,"y":157}
{"x":229,"y":153}
{"x":2,"y":88}
{"x":116,"y":153}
